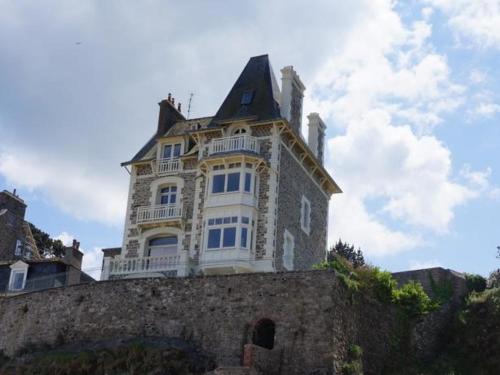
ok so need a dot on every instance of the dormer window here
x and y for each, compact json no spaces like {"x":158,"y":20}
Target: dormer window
{"x":171,"y":151}
{"x":246,"y":97}
{"x":239,"y":131}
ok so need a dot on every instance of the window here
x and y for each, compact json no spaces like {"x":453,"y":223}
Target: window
{"x":248,"y":182}
{"x":229,"y":231}
{"x":19,"y":248}
{"x":162,"y":246}
{"x":305,"y":215}
{"x":219,"y":182}
{"x":233,"y":182}
{"x":246,"y":97}
{"x":239,"y":131}
{"x":17,"y":280}
{"x":172,"y":151}
{"x":168,"y":195}
{"x":288,"y":247}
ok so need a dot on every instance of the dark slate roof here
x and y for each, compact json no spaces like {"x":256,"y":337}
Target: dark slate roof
{"x":258,"y":81}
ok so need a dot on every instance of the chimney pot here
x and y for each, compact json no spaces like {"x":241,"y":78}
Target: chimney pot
{"x":179,"y":106}
{"x":169,"y":98}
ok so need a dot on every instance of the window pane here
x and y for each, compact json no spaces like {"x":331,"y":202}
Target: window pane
{"x":248,"y":182}
{"x":229,"y":237}
{"x":173,"y":189}
{"x":18,"y":280}
{"x":218,"y":183}
{"x":227,"y":220}
{"x":244,"y":234}
{"x":245,"y":219}
{"x":214,"y":238}
{"x":234,"y":219}
{"x":211,"y":221}
{"x":164,"y":199}
{"x":167,"y":151}
{"x":165,"y":190}
{"x":233,"y":182}
{"x":177,"y":150}
{"x":218,"y":220}
{"x":170,"y":240}
{"x":172,"y":198}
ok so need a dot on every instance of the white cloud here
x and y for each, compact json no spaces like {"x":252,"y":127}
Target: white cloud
{"x":473,"y":20}
{"x":480,"y":180}
{"x":65,"y":238}
{"x":418,"y":265}
{"x":486,"y":109}
{"x":477,"y":76}
{"x":92,"y":262}
{"x":385,"y":91}
{"x":79,"y":192}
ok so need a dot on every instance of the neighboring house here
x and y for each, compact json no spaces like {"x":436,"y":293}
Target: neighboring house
{"x":237,"y":192}
{"x":22,"y":268}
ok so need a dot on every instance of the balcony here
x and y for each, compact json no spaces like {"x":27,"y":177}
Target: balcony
{"x":165,"y":167}
{"x":158,"y":214}
{"x":233,"y":144}
{"x":226,"y":261}
{"x":146,"y":265}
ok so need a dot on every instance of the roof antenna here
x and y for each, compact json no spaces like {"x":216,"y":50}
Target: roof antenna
{"x":189,"y":105}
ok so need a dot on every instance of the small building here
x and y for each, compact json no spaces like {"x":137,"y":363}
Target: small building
{"x":22,"y":267}
{"x":239,"y":191}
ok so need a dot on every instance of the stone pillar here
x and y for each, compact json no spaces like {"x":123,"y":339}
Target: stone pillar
{"x":316,"y":137}
{"x":292,"y":94}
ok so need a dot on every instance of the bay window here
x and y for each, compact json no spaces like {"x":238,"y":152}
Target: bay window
{"x":227,"y":232}
{"x":233,"y":181}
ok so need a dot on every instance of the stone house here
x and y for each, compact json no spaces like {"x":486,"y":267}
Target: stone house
{"x":240,"y":191}
{"x":22,"y":267}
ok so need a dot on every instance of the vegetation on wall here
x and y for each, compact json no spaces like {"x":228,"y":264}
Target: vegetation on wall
{"x":475,"y":283}
{"x":346,"y":251}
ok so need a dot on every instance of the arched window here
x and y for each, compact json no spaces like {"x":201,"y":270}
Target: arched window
{"x":168,"y":195}
{"x":162,"y":246}
{"x":239,"y":131}
{"x":263,"y":333}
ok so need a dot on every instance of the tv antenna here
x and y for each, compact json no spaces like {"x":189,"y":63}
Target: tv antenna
{"x":189,"y":104}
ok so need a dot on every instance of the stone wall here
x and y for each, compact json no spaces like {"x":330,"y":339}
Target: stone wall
{"x":294,"y":182}
{"x":315,"y":317}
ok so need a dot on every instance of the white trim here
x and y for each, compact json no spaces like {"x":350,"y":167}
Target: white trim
{"x":18,"y":268}
{"x":305,"y":225}
{"x":170,"y":180}
{"x":288,"y":253}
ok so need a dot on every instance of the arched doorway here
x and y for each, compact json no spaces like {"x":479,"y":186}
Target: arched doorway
{"x":263,"y":333}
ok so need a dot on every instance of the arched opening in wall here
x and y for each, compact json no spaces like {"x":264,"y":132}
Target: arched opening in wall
{"x":239,"y":131}
{"x":162,"y":246}
{"x":263,"y":333}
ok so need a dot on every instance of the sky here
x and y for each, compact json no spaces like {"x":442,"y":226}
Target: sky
{"x":409,"y":90}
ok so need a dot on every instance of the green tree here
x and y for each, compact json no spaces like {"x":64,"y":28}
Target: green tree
{"x":347,"y":251}
{"x":46,"y":245}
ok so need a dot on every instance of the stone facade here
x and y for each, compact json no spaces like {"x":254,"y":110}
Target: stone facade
{"x":12,"y":210}
{"x":187,"y":155}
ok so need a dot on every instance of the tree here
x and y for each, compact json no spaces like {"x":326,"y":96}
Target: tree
{"x":348,"y":252}
{"x":46,"y":245}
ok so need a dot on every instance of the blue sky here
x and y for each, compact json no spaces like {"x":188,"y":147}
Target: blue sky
{"x":410,"y":92}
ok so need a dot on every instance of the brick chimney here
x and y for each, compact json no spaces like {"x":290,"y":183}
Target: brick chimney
{"x":292,"y":94}
{"x":168,"y":116}
{"x":316,"y":137}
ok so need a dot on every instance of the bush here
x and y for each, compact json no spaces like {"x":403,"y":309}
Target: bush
{"x":355,"y":364}
{"x":475,"y":283}
{"x":494,"y":279}
{"x":413,"y":300}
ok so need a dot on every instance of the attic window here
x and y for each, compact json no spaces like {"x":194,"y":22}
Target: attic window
{"x":246,"y":97}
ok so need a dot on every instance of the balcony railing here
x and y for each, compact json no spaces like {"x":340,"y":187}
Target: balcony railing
{"x":153,"y":214}
{"x":144,"y":265}
{"x":167,"y":166}
{"x":234,"y":143}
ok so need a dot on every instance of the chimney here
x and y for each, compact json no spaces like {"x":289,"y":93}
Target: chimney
{"x":73,"y":256}
{"x":12,"y":202}
{"x":168,"y":116}
{"x":316,"y":137}
{"x":292,"y":94}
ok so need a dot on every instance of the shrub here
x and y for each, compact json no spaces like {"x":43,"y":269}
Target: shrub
{"x":494,"y":279}
{"x":475,"y":283}
{"x":413,"y":300}
{"x":355,"y":364}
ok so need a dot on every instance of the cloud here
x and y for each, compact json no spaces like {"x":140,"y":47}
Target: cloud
{"x":480,"y":180}
{"x":92,"y":262}
{"x":477,"y":76}
{"x":65,"y":238}
{"x":486,"y":109}
{"x":418,"y":265}
{"x":68,"y":186}
{"x":475,"y":21}
{"x":385,"y":91}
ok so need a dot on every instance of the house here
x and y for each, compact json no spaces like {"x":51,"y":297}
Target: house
{"x":240,"y":191}
{"x":22,"y":267}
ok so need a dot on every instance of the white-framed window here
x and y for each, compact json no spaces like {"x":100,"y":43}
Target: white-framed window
{"x":19,"y":248}
{"x":18,"y":274}
{"x":167,"y":195}
{"x":171,"y":151}
{"x":305,"y":215}
{"x":235,"y":178}
{"x":288,"y":250}
{"x":229,"y":232}
{"x":162,"y":246}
